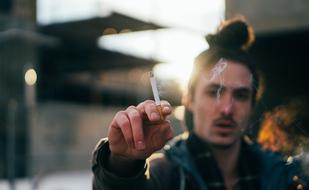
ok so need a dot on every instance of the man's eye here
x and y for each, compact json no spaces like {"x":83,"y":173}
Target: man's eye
{"x":243,"y":96}
{"x":213,"y":93}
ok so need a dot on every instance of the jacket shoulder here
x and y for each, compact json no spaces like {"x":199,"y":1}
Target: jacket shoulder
{"x":277,"y":172}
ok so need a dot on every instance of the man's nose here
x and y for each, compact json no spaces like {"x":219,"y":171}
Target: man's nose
{"x":227,"y":105}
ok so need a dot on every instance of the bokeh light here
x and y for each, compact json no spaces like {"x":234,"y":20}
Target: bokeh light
{"x":30,"y":77}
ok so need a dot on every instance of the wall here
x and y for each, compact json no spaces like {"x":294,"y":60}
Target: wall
{"x":271,"y":16}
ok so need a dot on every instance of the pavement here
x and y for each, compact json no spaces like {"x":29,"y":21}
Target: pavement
{"x":75,"y":180}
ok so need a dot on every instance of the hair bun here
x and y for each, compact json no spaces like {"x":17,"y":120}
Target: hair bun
{"x":234,"y":33}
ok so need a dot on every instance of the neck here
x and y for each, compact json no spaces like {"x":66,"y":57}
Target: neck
{"x":227,"y":159}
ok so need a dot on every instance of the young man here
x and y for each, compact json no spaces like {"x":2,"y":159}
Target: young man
{"x":221,"y":97}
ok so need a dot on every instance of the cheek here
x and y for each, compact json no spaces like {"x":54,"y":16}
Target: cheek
{"x":204,"y":112}
{"x":244,"y":113}
{"x":204,"y":106}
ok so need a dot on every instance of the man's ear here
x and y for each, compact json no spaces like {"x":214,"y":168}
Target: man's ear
{"x":189,"y":119}
{"x":189,"y":103}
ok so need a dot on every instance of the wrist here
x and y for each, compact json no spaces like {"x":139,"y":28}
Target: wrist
{"x":124,"y":166}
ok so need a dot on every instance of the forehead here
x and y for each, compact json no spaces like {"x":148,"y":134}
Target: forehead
{"x":228,"y":73}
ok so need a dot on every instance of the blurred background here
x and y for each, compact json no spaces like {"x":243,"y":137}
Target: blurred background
{"x":67,"y":66}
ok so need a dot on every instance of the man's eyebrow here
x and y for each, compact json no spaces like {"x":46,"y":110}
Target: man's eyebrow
{"x":238,"y":89}
{"x":243,"y":89}
{"x":214,"y":86}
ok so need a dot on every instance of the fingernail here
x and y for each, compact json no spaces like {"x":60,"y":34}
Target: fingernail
{"x":155,"y":116}
{"x":140,"y":145}
{"x":166,"y":109}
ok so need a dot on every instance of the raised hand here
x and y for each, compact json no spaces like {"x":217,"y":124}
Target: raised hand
{"x":138,"y":131}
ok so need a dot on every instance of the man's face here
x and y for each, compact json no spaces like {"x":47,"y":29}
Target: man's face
{"x":221,"y":103}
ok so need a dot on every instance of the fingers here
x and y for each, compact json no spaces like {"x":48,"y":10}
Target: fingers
{"x":137,"y":127}
{"x":166,"y":107}
{"x":130,"y":124}
{"x":169,"y":132}
{"x":159,"y":139}
{"x":121,"y":121}
{"x":166,"y":131}
{"x":152,"y":112}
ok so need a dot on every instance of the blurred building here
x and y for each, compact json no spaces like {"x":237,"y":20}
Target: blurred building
{"x":275,"y":16}
{"x":18,"y":44}
{"x":78,"y":70}
{"x":49,"y":75}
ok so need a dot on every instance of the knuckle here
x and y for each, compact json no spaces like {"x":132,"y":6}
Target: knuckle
{"x":120,"y":114}
{"x":122,"y":120}
{"x":130,"y":108}
{"x":134,"y":115}
{"x":165,"y":103}
{"x":149,"y":104}
{"x":117,"y":118}
{"x":148,"y":101}
{"x":142,"y":107}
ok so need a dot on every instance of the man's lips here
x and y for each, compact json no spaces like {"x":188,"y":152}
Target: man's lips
{"x":223,"y":123}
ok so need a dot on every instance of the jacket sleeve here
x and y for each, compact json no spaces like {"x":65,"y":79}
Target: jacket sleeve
{"x":107,"y":180}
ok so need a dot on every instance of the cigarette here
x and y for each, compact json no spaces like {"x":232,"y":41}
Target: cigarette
{"x":156,"y":94}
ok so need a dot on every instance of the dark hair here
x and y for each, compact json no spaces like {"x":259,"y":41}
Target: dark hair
{"x":231,"y":41}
